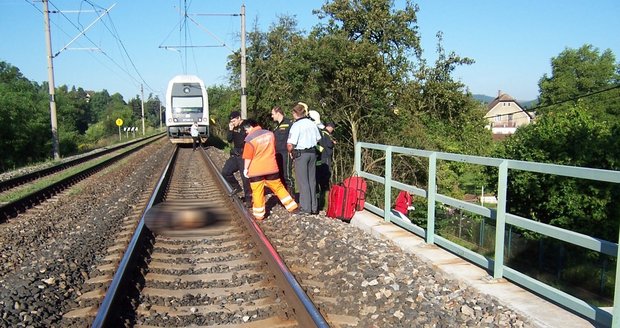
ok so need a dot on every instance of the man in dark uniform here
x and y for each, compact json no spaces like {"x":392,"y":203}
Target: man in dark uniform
{"x":324,"y":168}
{"x":284,"y":161}
{"x":234,"y":163}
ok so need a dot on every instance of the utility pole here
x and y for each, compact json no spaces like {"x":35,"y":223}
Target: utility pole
{"x":244,"y":94}
{"x":160,"y":120}
{"x":142,"y":98}
{"x":50,"y":76}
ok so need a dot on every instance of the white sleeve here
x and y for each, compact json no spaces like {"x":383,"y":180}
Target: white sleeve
{"x":293,"y":135}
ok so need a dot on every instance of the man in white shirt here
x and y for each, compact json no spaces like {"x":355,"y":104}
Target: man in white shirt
{"x":301,"y":145}
{"x":193,"y":131}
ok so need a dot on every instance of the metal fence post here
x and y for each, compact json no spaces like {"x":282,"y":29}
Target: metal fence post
{"x":432,"y":191}
{"x":615,"y":319}
{"x":500,"y":220}
{"x":357,"y":163}
{"x":387,"y":194}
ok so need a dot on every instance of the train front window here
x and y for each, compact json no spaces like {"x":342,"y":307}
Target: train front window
{"x":186,"y":105}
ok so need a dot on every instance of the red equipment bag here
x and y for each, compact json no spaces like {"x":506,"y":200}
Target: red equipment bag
{"x":403,"y":201}
{"x":359,"y":185}
{"x":341,"y":202}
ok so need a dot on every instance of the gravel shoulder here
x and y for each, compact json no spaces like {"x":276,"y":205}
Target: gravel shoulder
{"x":48,"y":253}
{"x":350,"y":273}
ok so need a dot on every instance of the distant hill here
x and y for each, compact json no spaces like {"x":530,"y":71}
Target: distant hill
{"x":483,"y":98}
{"x":487,"y":99}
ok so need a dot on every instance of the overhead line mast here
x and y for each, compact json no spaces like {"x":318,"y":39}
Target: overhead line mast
{"x":51,"y":85}
{"x":243,"y":78}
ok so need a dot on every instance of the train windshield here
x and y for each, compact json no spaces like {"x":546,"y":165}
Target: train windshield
{"x":186,"y":105}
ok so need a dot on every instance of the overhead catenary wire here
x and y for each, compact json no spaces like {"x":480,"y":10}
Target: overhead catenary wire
{"x":562,"y":101}
{"x":116,"y":35}
{"x":60,"y":28}
{"x":134,"y":80}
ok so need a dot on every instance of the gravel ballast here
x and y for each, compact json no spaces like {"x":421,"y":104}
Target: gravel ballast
{"x":373,"y":279}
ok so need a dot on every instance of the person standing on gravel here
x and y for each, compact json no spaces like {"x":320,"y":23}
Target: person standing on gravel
{"x":261,"y":169}
{"x":301,"y":145}
{"x":234,"y":163}
{"x":324,"y":169}
{"x":285,"y":164}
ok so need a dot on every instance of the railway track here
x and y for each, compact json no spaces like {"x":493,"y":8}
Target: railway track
{"x":221,"y":272}
{"x":24,"y":193}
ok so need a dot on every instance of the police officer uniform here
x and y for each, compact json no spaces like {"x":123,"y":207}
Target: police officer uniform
{"x":283,"y":159}
{"x":235,"y":163}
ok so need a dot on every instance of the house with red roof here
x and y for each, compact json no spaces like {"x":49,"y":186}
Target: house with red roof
{"x":505,"y":115}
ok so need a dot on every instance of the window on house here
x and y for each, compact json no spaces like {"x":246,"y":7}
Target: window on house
{"x":498,"y":118}
{"x":510,"y":117}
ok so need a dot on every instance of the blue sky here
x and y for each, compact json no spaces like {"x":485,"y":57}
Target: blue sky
{"x":512,"y":42}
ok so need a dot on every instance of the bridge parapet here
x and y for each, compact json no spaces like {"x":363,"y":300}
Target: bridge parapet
{"x":499,"y":215}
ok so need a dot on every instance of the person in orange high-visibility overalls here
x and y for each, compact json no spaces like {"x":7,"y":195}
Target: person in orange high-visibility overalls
{"x":261,"y":168}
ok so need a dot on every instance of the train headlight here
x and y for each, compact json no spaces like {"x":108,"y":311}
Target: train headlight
{"x":199,"y":119}
{"x":174,"y":120}
{"x":186,"y":90}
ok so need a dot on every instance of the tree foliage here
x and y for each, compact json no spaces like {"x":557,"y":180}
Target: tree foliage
{"x":583,"y":132}
{"x":363,"y":70}
{"x":584,"y":75}
{"x":83,"y":118}
{"x":570,"y":137}
{"x":24,"y":120}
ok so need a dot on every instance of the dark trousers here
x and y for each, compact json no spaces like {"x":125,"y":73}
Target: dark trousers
{"x":195,"y":142}
{"x":285,"y":167}
{"x":235,"y":164}
{"x":323,"y":177}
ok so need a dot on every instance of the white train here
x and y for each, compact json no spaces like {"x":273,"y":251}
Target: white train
{"x":186,"y":101}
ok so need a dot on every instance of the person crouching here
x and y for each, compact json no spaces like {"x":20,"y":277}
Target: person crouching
{"x":261,"y":168}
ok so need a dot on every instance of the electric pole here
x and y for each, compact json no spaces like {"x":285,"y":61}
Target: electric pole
{"x":244,"y":94}
{"x":142,"y":98}
{"x":50,"y":76}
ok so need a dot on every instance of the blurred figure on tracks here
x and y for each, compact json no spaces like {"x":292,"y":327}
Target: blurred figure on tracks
{"x":261,"y":168}
{"x":193,"y":131}
{"x":285,"y":165}
{"x":301,"y":145}
{"x":236,"y":135}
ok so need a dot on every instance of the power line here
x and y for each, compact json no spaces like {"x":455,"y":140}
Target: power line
{"x":116,"y":35}
{"x":80,"y":29}
{"x":561,"y":102}
{"x":577,"y":97}
{"x":91,"y":41}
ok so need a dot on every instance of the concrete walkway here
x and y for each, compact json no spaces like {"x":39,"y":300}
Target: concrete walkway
{"x":541,"y":312}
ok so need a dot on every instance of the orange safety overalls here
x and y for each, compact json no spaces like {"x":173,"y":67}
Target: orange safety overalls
{"x":263,"y":170}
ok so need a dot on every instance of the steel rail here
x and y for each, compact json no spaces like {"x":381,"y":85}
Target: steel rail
{"x":22,"y":179}
{"x":306,"y":312}
{"x":112,"y":301}
{"x":15,"y":207}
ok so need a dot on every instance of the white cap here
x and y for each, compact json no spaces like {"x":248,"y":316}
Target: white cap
{"x":316,"y":117}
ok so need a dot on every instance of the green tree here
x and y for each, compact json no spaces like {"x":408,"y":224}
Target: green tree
{"x":583,"y":132}
{"x":584,"y":75}
{"x":569,"y":137}
{"x":25,"y":135}
{"x":98,"y":103}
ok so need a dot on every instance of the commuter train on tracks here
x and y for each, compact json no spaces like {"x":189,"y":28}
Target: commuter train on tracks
{"x":186,"y":102}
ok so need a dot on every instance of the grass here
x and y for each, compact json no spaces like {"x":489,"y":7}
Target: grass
{"x":27,"y":189}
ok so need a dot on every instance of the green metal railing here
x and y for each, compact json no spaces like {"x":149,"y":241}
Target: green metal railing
{"x":501,"y":217}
